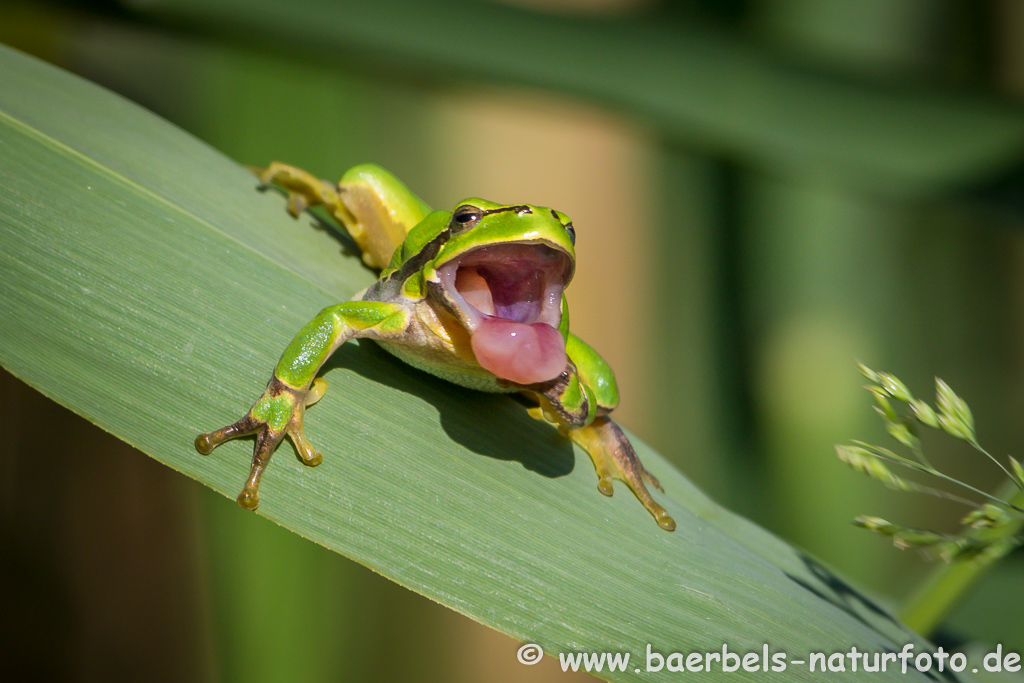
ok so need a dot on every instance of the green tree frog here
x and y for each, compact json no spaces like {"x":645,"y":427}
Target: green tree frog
{"x":473,"y":296}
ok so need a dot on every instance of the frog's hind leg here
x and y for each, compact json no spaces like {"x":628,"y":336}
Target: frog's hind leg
{"x":614,"y":456}
{"x":306,"y":190}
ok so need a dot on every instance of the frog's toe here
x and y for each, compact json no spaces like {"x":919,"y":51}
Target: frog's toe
{"x":604,"y":485}
{"x":650,"y":478}
{"x":266,"y":443}
{"x":297,"y":203}
{"x":296,"y":429}
{"x":316,"y":392}
{"x":206,"y":442}
{"x":665,"y":520}
{"x":275,"y":172}
{"x":250,"y":500}
{"x":309,"y":455}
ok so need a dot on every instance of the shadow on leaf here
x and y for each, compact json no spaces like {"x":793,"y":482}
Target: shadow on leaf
{"x":514,"y":436}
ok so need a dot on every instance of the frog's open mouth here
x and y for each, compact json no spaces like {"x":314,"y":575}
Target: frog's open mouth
{"x":511,"y":299}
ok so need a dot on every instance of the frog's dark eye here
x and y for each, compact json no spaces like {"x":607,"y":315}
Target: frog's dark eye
{"x":466,"y":216}
{"x":567,"y":225}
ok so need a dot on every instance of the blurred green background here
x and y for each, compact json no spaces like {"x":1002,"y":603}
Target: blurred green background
{"x":765,"y":191}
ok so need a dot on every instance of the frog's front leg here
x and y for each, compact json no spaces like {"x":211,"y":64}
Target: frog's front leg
{"x":578,"y":403}
{"x":280,"y":410}
{"x":613,"y":456}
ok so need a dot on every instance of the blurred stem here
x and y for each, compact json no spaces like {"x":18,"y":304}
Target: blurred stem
{"x":933,"y":600}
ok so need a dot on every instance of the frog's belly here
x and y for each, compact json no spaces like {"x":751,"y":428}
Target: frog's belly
{"x":445,"y":365}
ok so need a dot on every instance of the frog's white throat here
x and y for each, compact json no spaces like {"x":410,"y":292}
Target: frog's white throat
{"x":510,"y":297}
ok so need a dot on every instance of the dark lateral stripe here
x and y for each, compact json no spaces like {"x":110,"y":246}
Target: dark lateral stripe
{"x":522,"y":208}
{"x":392,"y":284}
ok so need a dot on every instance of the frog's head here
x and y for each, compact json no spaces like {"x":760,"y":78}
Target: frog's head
{"x":501,"y":273}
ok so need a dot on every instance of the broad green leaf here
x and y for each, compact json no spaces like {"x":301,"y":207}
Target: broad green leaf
{"x":149,"y":287}
{"x":701,"y":86}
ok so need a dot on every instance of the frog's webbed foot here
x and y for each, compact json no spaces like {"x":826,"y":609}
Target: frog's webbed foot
{"x":304,"y":189}
{"x":278,"y":413}
{"x":614,"y":457}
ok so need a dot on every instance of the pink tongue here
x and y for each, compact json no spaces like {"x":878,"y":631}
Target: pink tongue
{"x":520,"y":353}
